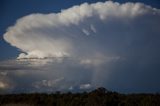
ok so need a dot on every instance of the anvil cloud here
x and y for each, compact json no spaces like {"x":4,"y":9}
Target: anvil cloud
{"x":101,"y":44}
{"x":79,"y":27}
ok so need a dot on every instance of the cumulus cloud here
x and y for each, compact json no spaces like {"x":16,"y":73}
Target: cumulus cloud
{"x":102,"y":44}
{"x":5,"y":84}
{"x":49,"y":77}
{"x":85,"y":86}
{"x":47,"y":83}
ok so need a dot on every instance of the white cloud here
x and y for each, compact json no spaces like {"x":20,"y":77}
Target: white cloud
{"x":2,"y":85}
{"x":126,"y":44}
{"x":3,"y":73}
{"x":56,"y":34}
{"x":85,"y":86}
{"x":93,"y":28}
{"x":47,"y":83}
{"x":5,"y":84}
{"x":85,"y":32}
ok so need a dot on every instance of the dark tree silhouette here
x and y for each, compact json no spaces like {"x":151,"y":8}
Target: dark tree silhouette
{"x":98,"y":97}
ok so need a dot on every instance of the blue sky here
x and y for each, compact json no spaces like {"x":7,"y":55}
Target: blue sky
{"x":15,"y":9}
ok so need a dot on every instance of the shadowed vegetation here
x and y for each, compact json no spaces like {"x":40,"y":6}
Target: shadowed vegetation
{"x":98,"y":97}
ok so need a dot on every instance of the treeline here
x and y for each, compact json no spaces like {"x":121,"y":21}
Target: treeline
{"x":98,"y":97}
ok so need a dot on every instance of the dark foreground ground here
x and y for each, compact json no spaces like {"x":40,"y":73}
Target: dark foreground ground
{"x":98,"y":97}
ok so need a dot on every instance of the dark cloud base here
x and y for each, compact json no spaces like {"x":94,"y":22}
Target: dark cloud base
{"x":71,"y":75}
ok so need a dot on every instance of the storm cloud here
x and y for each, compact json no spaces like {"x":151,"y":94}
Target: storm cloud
{"x":101,"y":44}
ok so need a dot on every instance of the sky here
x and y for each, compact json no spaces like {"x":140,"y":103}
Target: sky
{"x":79,"y":45}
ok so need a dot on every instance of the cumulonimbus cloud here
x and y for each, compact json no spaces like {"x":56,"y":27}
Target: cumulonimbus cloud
{"x":75,"y":29}
{"x":101,"y":44}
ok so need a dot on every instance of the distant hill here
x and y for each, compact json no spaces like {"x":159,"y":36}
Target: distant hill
{"x":98,"y":97}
